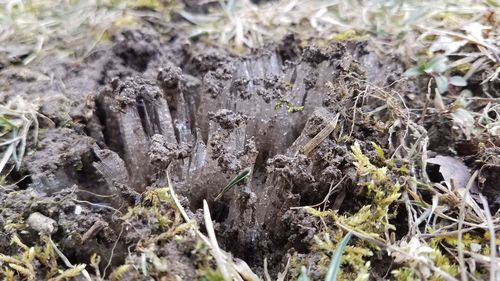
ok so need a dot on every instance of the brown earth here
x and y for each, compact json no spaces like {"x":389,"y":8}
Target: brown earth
{"x":155,"y":99}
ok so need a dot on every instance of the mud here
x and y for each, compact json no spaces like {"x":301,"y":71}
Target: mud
{"x":155,"y":100}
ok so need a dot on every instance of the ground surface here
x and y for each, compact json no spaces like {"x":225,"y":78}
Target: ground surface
{"x":328,"y":135}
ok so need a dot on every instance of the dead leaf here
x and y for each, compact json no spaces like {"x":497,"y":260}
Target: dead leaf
{"x":452,"y":170}
{"x":455,"y":170}
{"x":475,"y":31}
{"x":447,"y":44}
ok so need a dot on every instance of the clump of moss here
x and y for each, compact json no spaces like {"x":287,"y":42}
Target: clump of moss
{"x":158,"y":215}
{"x":35,"y":263}
{"x":386,"y":184}
{"x":372,"y":220}
{"x":383,"y":191}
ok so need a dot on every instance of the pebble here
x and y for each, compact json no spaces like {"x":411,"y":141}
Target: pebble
{"x":41,"y":223}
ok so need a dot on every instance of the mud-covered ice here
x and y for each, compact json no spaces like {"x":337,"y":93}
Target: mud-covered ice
{"x":150,"y":104}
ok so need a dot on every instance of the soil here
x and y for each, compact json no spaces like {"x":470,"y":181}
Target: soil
{"x":154,"y":99}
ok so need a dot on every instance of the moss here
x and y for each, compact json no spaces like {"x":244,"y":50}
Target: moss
{"x":290,"y":107}
{"x":150,"y":4}
{"x":371,"y":220}
{"x":212,"y":275}
{"x":347,"y":35}
{"x":404,"y":274}
{"x":32,"y":262}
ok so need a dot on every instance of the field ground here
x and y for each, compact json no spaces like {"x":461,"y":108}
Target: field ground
{"x":232,"y":140}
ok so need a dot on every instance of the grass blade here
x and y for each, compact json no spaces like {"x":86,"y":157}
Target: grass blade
{"x":5,"y":124}
{"x":321,"y":136}
{"x":241,"y":176}
{"x":6,"y":156}
{"x":303,"y":274}
{"x":219,"y":260}
{"x":333,"y":269}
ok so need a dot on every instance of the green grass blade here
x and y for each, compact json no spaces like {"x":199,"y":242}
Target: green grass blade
{"x":5,"y":122}
{"x":241,"y":176}
{"x":333,"y":269}
{"x":5,"y":126}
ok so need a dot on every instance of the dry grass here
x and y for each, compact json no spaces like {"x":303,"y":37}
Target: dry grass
{"x":30,"y":29}
{"x":17,"y":118}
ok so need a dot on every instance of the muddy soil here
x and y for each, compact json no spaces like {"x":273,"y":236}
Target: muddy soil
{"x":154,"y":100}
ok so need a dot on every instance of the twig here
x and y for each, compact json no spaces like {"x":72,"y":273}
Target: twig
{"x":330,"y":191}
{"x":112,"y":252}
{"x":95,"y":194}
{"x":66,"y":261}
{"x":97,"y":205}
{"x":460,"y":247}
{"x":442,"y":215}
{"x":493,"y":246}
{"x":92,"y":231}
{"x":444,"y":234}
{"x":266,"y":271}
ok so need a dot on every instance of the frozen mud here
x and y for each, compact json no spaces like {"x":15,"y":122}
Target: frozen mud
{"x":155,"y":100}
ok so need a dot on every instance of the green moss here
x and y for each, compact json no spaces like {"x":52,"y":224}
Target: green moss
{"x":31,"y":262}
{"x":404,"y":274}
{"x":151,"y":4}
{"x":290,"y":107}
{"x":347,"y":35}
{"x":212,"y":275}
{"x":382,"y":191}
